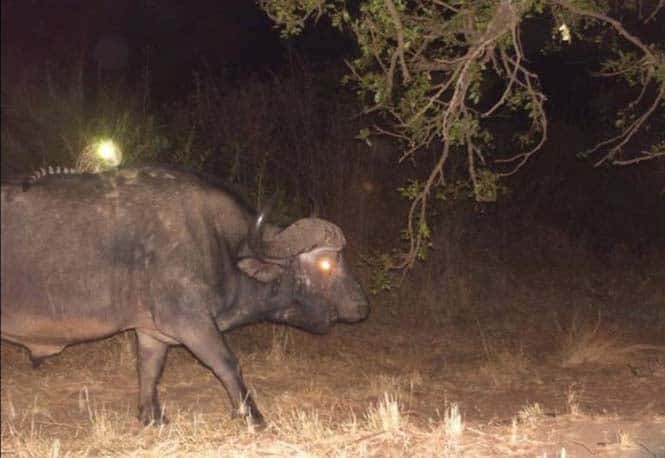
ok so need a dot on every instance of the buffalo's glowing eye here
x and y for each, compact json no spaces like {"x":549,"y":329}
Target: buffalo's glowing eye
{"x":325,"y":264}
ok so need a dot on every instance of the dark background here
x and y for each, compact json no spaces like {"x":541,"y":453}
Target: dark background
{"x":215,"y":87}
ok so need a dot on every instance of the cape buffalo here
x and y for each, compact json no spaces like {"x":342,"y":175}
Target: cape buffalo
{"x":169,"y":255}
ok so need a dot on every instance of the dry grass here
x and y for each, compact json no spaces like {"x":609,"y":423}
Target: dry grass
{"x":384,"y":431}
{"x":386,"y":428}
{"x":386,"y":415}
{"x":530,"y":414}
{"x":573,"y":403}
{"x":503,"y":365}
{"x":587,"y":342}
{"x":76,"y":417}
{"x":280,"y":344}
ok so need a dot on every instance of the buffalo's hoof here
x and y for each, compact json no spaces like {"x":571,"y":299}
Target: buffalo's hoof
{"x":153,"y":417}
{"x":253,"y":419}
{"x":256,"y":422}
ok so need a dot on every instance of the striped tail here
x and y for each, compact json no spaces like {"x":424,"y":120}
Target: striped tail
{"x":40,"y":173}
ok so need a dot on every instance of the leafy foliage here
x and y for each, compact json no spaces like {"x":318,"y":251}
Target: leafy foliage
{"x":433,"y":67}
{"x":380,"y":265}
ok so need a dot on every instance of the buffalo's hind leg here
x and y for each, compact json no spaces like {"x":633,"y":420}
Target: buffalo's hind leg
{"x":210,"y":347}
{"x":151,"y":356}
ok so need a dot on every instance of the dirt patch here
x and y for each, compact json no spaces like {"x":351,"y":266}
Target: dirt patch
{"x":367,"y":390}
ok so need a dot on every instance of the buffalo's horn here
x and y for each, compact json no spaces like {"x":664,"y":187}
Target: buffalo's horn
{"x":256,"y":232}
{"x":303,"y":235}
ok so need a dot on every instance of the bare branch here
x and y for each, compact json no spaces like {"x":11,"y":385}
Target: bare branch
{"x":646,"y":156}
{"x":648,"y":62}
{"x":621,"y":30}
{"x":419,"y":205}
{"x":446,"y":5}
{"x":652,"y":16}
{"x":540,"y":122}
{"x":511,"y":80}
{"x":400,"y":38}
{"x":443,"y":88}
{"x":627,"y":134}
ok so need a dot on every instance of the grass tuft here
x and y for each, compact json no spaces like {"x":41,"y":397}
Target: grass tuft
{"x":385,"y":416}
{"x":585,"y":342}
{"x":452,"y":422}
{"x":531,"y":413}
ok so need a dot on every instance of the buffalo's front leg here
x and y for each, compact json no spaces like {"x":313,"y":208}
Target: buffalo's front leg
{"x":210,"y":347}
{"x":36,"y":362}
{"x":151,"y":356}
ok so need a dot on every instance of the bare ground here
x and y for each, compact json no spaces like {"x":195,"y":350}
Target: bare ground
{"x":374,"y":389}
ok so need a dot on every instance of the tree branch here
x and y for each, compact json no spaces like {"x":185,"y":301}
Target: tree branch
{"x":627,"y":134}
{"x":399,"y":29}
{"x":621,"y":30}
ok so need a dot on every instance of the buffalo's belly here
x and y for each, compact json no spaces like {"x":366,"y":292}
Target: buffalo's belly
{"x":43,"y":329}
{"x":40,"y":307}
{"x":64,"y":284}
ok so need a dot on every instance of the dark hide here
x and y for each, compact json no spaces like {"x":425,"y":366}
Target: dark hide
{"x":155,"y":250}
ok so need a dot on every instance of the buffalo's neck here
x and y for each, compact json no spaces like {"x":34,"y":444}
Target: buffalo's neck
{"x":249,"y":301}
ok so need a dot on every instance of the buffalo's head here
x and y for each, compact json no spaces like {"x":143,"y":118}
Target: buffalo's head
{"x":305,"y":265}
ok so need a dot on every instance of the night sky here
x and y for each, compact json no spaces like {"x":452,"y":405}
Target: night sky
{"x":230,"y":38}
{"x":176,"y":38}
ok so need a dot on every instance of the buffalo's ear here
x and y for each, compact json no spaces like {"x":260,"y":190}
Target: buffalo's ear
{"x":260,"y":270}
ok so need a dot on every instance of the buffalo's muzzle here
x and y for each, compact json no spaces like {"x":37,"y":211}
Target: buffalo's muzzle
{"x":356,"y":309}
